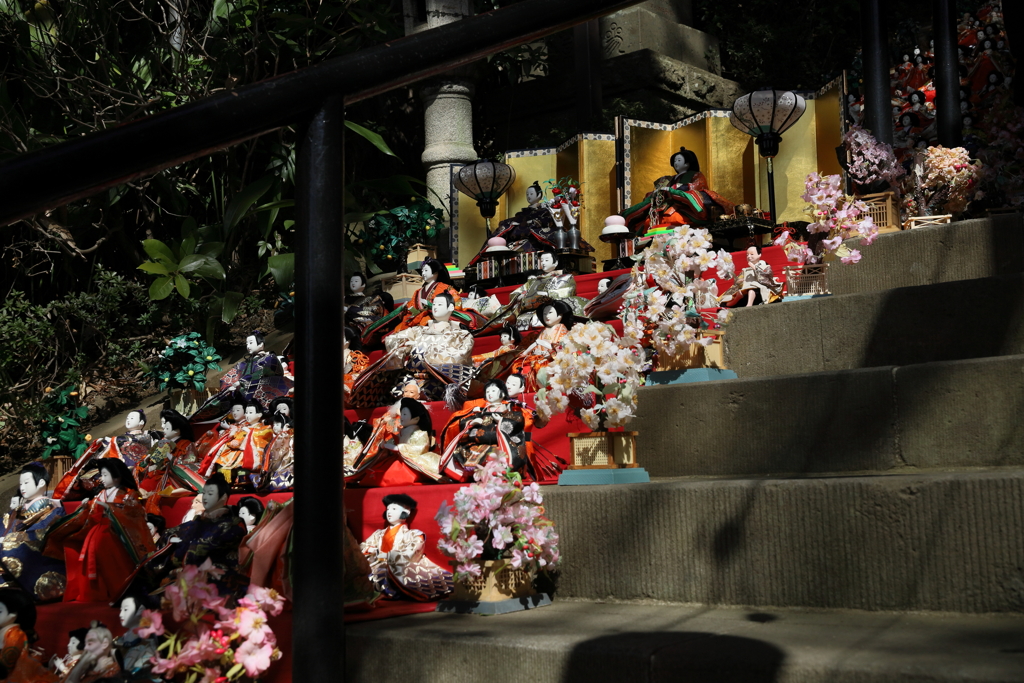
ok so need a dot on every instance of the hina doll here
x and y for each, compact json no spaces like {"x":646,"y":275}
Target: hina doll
{"x":279,"y":457}
{"x":76,"y":643}
{"x":214,"y":535}
{"x":510,"y":338}
{"x":493,"y":428}
{"x":680,"y":199}
{"x":250,"y":511}
{"x":156,"y":525}
{"x":531,"y":229}
{"x":245,"y":448}
{"x":98,"y":663}
{"x":135,"y":651}
{"x":361,"y":309}
{"x":172,"y":463}
{"x":436,"y":280}
{"x":756,"y":284}
{"x":557,"y":317}
{"x":214,"y":439}
{"x":22,"y":563}
{"x":437,"y":353}
{"x":17,"y":630}
{"x":131,"y":447}
{"x":285,"y":405}
{"x":477,"y":299}
{"x":264,"y":552}
{"x":552,"y":283}
{"x":398,"y":452}
{"x":354,"y":359}
{"x":102,"y":541}
{"x":259,"y":376}
{"x":398,"y":567}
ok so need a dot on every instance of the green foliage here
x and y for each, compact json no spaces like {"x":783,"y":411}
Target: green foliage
{"x":184,"y":363}
{"x":60,"y":433}
{"x":395,"y":230}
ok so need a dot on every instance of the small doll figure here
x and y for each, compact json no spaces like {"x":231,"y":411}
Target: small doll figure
{"x":510,"y":340}
{"x":214,"y":439}
{"x":278,"y":457}
{"x":361,"y":309}
{"x":17,"y":624}
{"x":756,"y":284}
{"x":415,"y":312}
{"x":131,"y":447}
{"x":135,"y":650}
{"x":22,"y":563}
{"x":102,"y":541}
{"x":76,"y":643}
{"x":398,"y":567}
{"x":479,"y":301}
{"x":259,"y":376}
{"x":98,"y":662}
{"x":171,"y":468}
{"x":399,"y":451}
{"x":557,"y":317}
{"x":156,"y":525}
{"x":245,"y":448}
{"x":250,"y":511}
{"x":355,"y":360}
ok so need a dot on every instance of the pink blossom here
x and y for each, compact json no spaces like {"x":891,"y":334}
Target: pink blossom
{"x":179,"y":606}
{"x":267,"y":598}
{"x":151,"y":624}
{"x":254,"y":657}
{"x":501,"y":536}
{"x":161,"y":665}
{"x":252,"y":624}
{"x":469,"y":549}
{"x":853,"y":257}
{"x":531,"y":493}
{"x":210,"y":675}
{"x":833,"y":244}
{"x":469,"y":569}
{"x":781,"y":239}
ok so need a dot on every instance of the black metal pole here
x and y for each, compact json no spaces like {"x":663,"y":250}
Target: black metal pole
{"x":771,"y":189}
{"x":587,"y":58}
{"x":33,"y":182}
{"x":877,"y":106}
{"x":318,"y":645}
{"x":949,"y":121}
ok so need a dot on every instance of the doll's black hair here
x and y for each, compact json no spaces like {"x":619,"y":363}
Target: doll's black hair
{"x":447,"y":296}
{"x":282,"y":419}
{"x":564,"y":310}
{"x":142,"y":599}
{"x":80,"y":634}
{"x":442,"y":273}
{"x":119,"y":471}
{"x":217,"y":479}
{"x":253,"y":403}
{"x":355,"y":342}
{"x":517,"y":375}
{"x":554,"y":255}
{"x":38,"y":472}
{"x":361,"y":275}
{"x":501,"y":387}
{"x":179,"y":422}
{"x":920,"y":96}
{"x":540,"y":190}
{"x":253,"y":505}
{"x":689,"y":156}
{"x":158,"y":522}
{"x":478,"y":289}
{"x":21,"y":604}
{"x":408,"y":502}
{"x":238,"y":399}
{"x":141,"y":412}
{"x":360,"y":430}
{"x":417,"y":409}
{"x":284,"y":400}
{"x":517,"y":337}
{"x":257,"y":334}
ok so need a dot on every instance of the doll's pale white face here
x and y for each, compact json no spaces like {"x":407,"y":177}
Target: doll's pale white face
{"x":152,"y":529}
{"x":251,"y":414}
{"x":428,"y":273}
{"x":506,"y":339}
{"x":127,"y":614}
{"x":169,"y":431}
{"x":247,"y":517}
{"x":355,"y":283}
{"x":251,"y":345}
{"x":74,"y":647}
{"x":133,"y":421}
{"x":551,"y":316}
{"x":492,"y":394}
{"x":752,"y":256}
{"x":532,"y":195}
{"x":394,"y":513}
{"x":28,"y":488}
{"x":679,"y":163}
{"x":440,"y":308}
{"x":278,"y":427}
{"x":6,"y":618}
{"x":406,"y":418}
{"x":514,"y":385}
{"x":237,"y":412}
{"x":284,"y":409}
{"x":107,"y":479}
{"x":212,"y":498}
{"x":547,"y":262}
{"x":602,"y":286}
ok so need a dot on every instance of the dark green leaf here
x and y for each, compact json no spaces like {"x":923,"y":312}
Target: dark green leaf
{"x":375,"y":139}
{"x":282,"y":267}
{"x":211,"y":249}
{"x":158,"y":251}
{"x":204,"y":266}
{"x":181,"y":284}
{"x":161,"y":288}
{"x":231,"y":303}
{"x":240,"y":203}
{"x":154,"y":268}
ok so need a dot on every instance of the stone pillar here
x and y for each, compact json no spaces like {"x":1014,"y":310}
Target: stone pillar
{"x":877,"y":106}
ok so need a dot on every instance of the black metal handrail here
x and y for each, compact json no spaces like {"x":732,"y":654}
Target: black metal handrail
{"x":71,"y":170}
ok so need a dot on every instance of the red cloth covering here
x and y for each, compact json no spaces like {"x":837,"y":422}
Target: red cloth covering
{"x":552,"y":437}
{"x":174,"y":509}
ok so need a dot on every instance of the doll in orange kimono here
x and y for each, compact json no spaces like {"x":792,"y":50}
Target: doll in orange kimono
{"x":172,"y":462}
{"x":557,"y":318}
{"x":416,"y":311}
{"x":354,"y":358}
{"x":17,"y":630}
{"x":104,"y":539}
{"x":245,"y":448}
{"x":81,"y":480}
{"x":214,"y":439}
{"x":398,"y":452}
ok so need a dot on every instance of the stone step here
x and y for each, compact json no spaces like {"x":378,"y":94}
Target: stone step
{"x":946,"y":542}
{"x":956,"y":414}
{"x":965,"y":250}
{"x":946,"y":321}
{"x":572,"y":642}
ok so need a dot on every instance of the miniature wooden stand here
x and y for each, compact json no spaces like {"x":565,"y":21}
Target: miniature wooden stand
{"x":810,"y":279}
{"x":883,"y":210}
{"x":418,"y":253}
{"x":928,"y":221}
{"x":492,"y":586}
{"x":404,"y":286}
{"x":603,"y":450}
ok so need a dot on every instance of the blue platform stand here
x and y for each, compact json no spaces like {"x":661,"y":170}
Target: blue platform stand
{"x":663,"y":377}
{"x":597,"y":477}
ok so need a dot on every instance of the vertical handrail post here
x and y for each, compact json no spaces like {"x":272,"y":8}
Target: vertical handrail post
{"x":318,"y":647}
{"x":949,"y":121}
{"x":877,"y":104}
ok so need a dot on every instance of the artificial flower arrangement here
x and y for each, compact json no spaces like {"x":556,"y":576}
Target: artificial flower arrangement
{"x":837,"y":217}
{"x":497,"y":518}
{"x":217,"y":644}
{"x":871,"y":161}
{"x":565,"y":191}
{"x":668,"y":289}
{"x":595,"y":374}
{"x":941,"y":179}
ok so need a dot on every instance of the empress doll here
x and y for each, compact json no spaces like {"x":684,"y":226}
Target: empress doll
{"x":398,"y":567}
{"x":279,"y":457}
{"x":486,"y":429}
{"x":557,"y":318}
{"x":22,"y":563}
{"x":131,"y":447}
{"x":172,"y":462}
{"x":17,"y":630}
{"x":245,"y":448}
{"x":102,"y":541}
{"x":398,"y":451}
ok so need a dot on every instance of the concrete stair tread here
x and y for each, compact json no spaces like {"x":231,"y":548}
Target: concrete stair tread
{"x":595,"y":641}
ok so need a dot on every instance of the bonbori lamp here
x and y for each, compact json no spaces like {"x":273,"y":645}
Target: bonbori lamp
{"x":485,"y":181}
